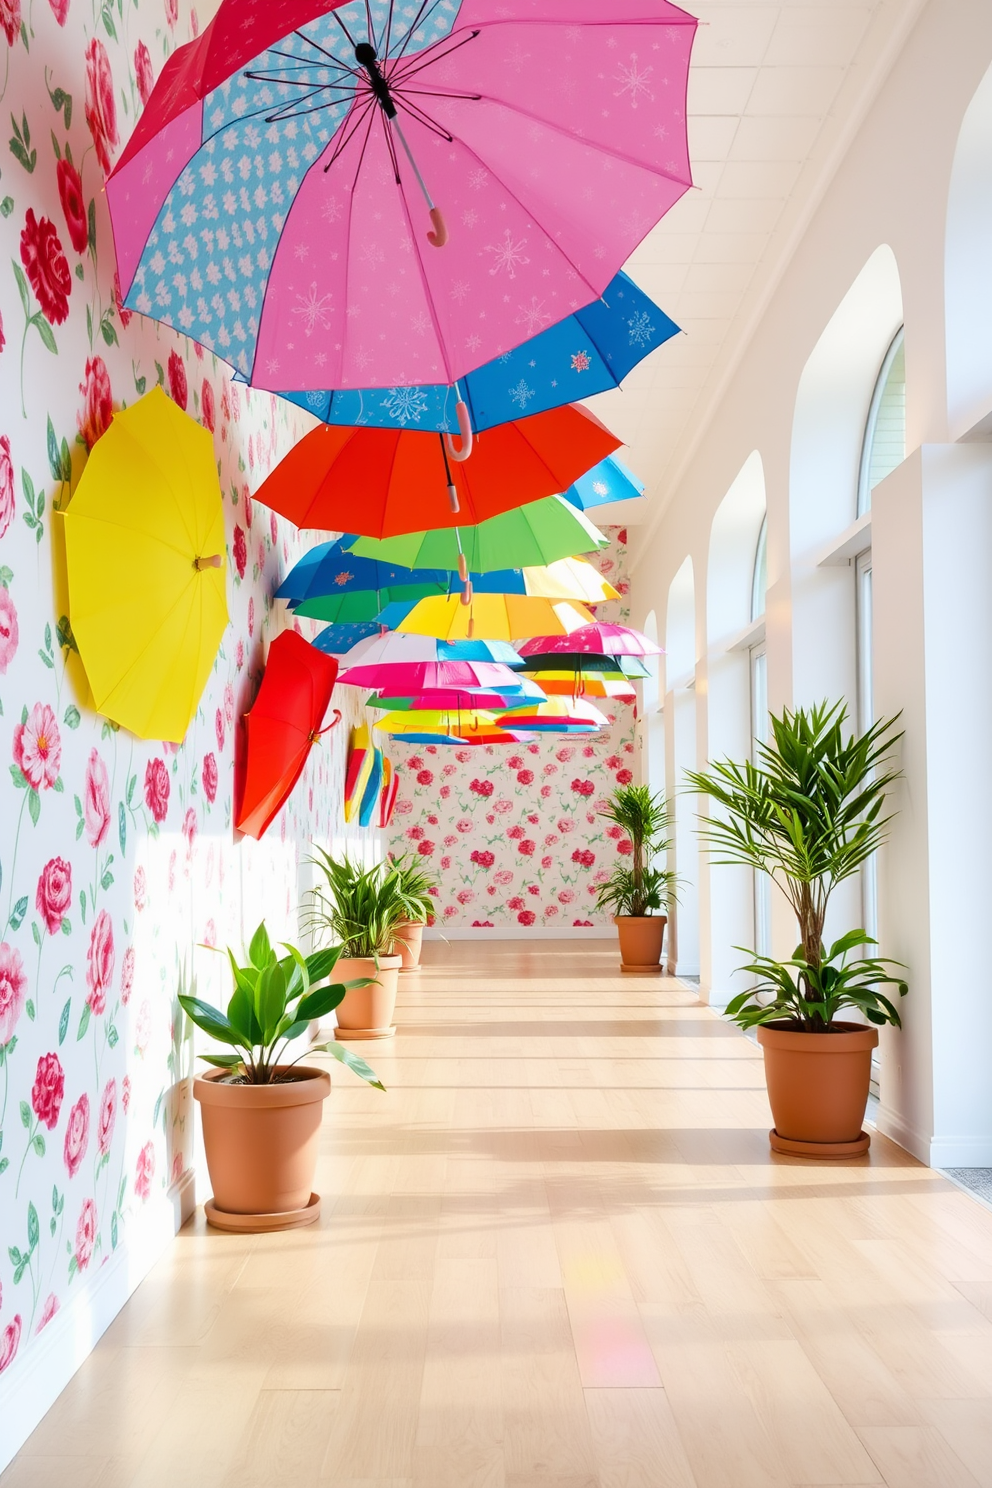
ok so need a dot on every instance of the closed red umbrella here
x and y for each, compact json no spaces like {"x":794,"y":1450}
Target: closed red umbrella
{"x":283,"y":726}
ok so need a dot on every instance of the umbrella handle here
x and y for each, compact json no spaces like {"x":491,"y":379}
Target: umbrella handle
{"x":465,"y":430}
{"x":439,"y":236}
{"x":318,"y":734}
{"x":466,"y":594}
{"x":453,"y":497}
{"x":463,"y":568}
{"x":214,"y":561}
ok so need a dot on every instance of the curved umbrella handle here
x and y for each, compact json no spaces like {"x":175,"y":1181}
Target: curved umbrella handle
{"x":318,"y":734}
{"x":466,"y":594}
{"x":463,"y":568}
{"x":439,"y":236}
{"x":453,"y":497}
{"x":465,"y":430}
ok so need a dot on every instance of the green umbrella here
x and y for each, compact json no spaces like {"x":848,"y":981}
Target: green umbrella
{"x":576,"y":661}
{"x":360,"y":605}
{"x":531,"y":536}
{"x":481,"y":704}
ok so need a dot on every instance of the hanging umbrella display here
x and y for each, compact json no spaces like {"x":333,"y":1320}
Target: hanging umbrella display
{"x":425,"y":721}
{"x":390,"y":790}
{"x":585,"y":664}
{"x":362,"y":607}
{"x":530,"y":536}
{"x":394,"y":481}
{"x":465,"y":698}
{"x":329,"y":571}
{"x":408,"y":678}
{"x":423,"y":648}
{"x":504,"y":617}
{"x":597,"y":639}
{"x":608,"y":481}
{"x":358,"y":769}
{"x":568,"y":578}
{"x":586,"y":353}
{"x":285,"y":721}
{"x":548,"y":136}
{"x":559,"y":714}
{"x":586,"y":684}
{"x":144,"y":537}
{"x":338,"y":640}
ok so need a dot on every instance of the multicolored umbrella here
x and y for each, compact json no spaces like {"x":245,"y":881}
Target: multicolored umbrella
{"x":330,"y":571}
{"x":276,"y":200}
{"x":607,"y":482}
{"x":401,"y":649}
{"x":559,"y":715}
{"x":598,"y":639}
{"x":504,"y":617}
{"x":529,"y":537}
{"x":284,"y":723}
{"x":145,"y":545}
{"x":338,"y":640}
{"x":392,"y":481}
{"x":409,"y":678}
{"x":589,"y":352}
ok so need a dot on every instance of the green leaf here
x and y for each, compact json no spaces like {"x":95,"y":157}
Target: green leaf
{"x":38,"y":1143}
{"x":54,"y":455}
{"x":72,"y":717}
{"x":82,"y":892}
{"x":66,"y":925}
{"x":112,"y":1035}
{"x":34,"y":806}
{"x":36,"y":933}
{"x":260,"y":950}
{"x":270,"y":1000}
{"x":22,"y":287}
{"x":25,"y":1114}
{"x":122,"y":826}
{"x":223,"y":1061}
{"x":130,"y":788}
{"x":19,"y":911}
{"x":84,"y":1021}
{"x":211,"y":1020}
{"x":108,"y":331}
{"x":64,"y":1019}
{"x":6,"y":206}
{"x":45,"y":332}
{"x":6,"y":574}
{"x":18,"y":777}
{"x":79,"y":271}
{"x":113,"y":1230}
{"x":46,"y":659}
{"x":34,"y":1228}
{"x":65,"y":461}
{"x":4,"y":1164}
{"x":318,"y":1004}
{"x":29,"y":1008}
{"x":352,"y":1061}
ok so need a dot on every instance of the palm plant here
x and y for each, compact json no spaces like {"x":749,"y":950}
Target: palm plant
{"x":414,"y":884}
{"x":810,"y":815}
{"x":273,"y":1002}
{"x":640,"y":889}
{"x":359,"y":908}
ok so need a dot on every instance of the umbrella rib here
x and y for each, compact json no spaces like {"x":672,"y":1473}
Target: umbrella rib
{"x":423,"y":118}
{"x":422,"y":14}
{"x":420,"y":60}
{"x":332,"y":56}
{"x":342,"y":145}
{"x":442,"y":347}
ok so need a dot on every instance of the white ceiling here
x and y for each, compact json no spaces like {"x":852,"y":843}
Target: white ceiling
{"x":776,"y":92}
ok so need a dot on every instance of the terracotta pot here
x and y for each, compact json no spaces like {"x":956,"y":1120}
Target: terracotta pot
{"x":261,"y":1143}
{"x":641,"y":938}
{"x":409,"y":940}
{"x":818,"y":1088}
{"x":367,"y":1012}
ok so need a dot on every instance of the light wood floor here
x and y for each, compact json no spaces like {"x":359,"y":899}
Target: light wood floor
{"x":558,"y":1254}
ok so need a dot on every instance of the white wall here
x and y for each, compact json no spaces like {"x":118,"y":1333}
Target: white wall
{"x":903,"y":233}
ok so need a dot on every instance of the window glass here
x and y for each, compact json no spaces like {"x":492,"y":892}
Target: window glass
{"x":759,"y":583}
{"x":885,"y":432}
{"x":759,"y":734}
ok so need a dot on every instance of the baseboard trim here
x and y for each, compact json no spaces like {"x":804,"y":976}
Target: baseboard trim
{"x":31,"y":1388}
{"x":961,"y":1152}
{"x":892,"y":1126}
{"x":520,"y":932}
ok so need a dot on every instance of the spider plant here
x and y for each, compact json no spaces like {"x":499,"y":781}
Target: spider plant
{"x":414,"y":883}
{"x":640,"y":889}
{"x":809,"y":814}
{"x":273,"y":1002}
{"x":359,"y":908}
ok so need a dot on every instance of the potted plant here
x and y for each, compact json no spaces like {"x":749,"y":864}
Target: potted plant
{"x":414,"y":883}
{"x":261,"y":1115}
{"x":809,"y":814}
{"x":361,"y":909}
{"x":639,"y":893}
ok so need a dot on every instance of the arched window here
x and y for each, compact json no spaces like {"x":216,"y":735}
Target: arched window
{"x":759,"y":729}
{"x":884,"y":445}
{"x":759,"y":579}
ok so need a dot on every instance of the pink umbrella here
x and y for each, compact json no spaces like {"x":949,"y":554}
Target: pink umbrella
{"x":599,"y":639}
{"x":410,"y":678}
{"x":282,"y":197}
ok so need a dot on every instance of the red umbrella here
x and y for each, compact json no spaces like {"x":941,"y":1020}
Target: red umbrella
{"x":282,"y":727}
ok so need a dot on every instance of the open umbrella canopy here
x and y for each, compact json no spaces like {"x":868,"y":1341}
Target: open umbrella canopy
{"x":606,"y":482}
{"x":425,"y":721}
{"x":283,"y":725}
{"x":145,"y":542}
{"x":304,"y":169}
{"x":465,"y":698}
{"x":570,"y":684}
{"x":392,"y":481}
{"x":597,"y":639}
{"x":585,"y":664}
{"x":329,"y":571}
{"x":361,"y":606}
{"x":586,"y":353}
{"x":407,"y":678}
{"x":338,"y":640}
{"x":530,"y":536}
{"x":568,"y":578}
{"x":504,"y":617}
{"x":559,"y":713}
{"x":420,"y":648}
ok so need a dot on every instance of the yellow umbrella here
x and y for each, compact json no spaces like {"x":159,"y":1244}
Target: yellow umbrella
{"x":569,"y":578}
{"x":497,"y":617}
{"x":434,"y":721}
{"x":144,"y":539}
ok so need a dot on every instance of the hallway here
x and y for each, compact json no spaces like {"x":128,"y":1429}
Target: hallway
{"x":558,"y":1252}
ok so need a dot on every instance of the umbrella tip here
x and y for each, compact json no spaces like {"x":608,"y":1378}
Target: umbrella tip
{"x":214,"y":561}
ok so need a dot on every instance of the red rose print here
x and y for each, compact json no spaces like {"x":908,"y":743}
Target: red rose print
{"x":565,"y":825}
{"x":42,"y":256}
{"x":432,"y":819}
{"x":273,"y":528}
{"x":533,"y":820}
{"x":625,"y":847}
{"x":239,"y":656}
{"x":99,"y":107}
{"x":614,"y":762}
{"x":10,"y":20}
{"x":98,"y":401}
{"x":219,"y":729}
{"x":140,"y":888}
{"x":143,"y":73}
{"x":48,"y":1311}
{"x":172,"y":11}
{"x":483,"y":925}
{"x":208,"y":408}
{"x":566,"y":896}
{"x":546,"y":792}
{"x":122,"y":310}
{"x":13,"y":981}
{"x":445,"y":864}
{"x":77,"y":1135}
{"x":144,"y":1171}
{"x":526,"y":917}
{"x":624,"y":777}
{"x":10,"y":633}
{"x":425,"y":848}
{"x":48,"y":1090}
{"x":465,"y":896}
{"x":189,"y":830}
{"x":415,"y":762}
{"x":551,"y":911}
{"x":60,"y":10}
{"x":533,"y":890}
{"x":178,"y":391}
{"x":583,"y":857}
{"x":249,"y":507}
{"x":515,"y":833}
{"x":582,"y":924}
{"x":515,"y":903}
{"x":127,"y":975}
{"x":100,"y":960}
{"x":96,"y":811}
{"x":7,"y":499}
{"x":414,"y":834}
{"x":208,"y":775}
{"x":108,"y":1115}
{"x":445,"y":792}
{"x":514,"y":762}
{"x":424,"y":777}
{"x":157,"y":787}
{"x":73,"y":207}
{"x":482,"y":787}
{"x":38,"y":748}
{"x":126,"y":1093}
{"x":85,"y":1234}
{"x":54,"y":895}
{"x":11,"y":1335}
{"x":525,"y":777}
{"x":583,"y":787}
{"x":463,"y":826}
{"x":526,"y":847}
{"x":240,"y":552}
{"x":622,"y":537}
{"x":546,"y":863}
{"x":483,"y":859}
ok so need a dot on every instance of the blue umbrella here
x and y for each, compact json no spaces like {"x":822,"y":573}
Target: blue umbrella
{"x":335,"y":640}
{"x":329,"y":568}
{"x":608,"y":481}
{"x":589,"y":352}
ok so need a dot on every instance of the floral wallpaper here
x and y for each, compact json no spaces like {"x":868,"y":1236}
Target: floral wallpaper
{"x":513,"y":832}
{"x":117,"y":857}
